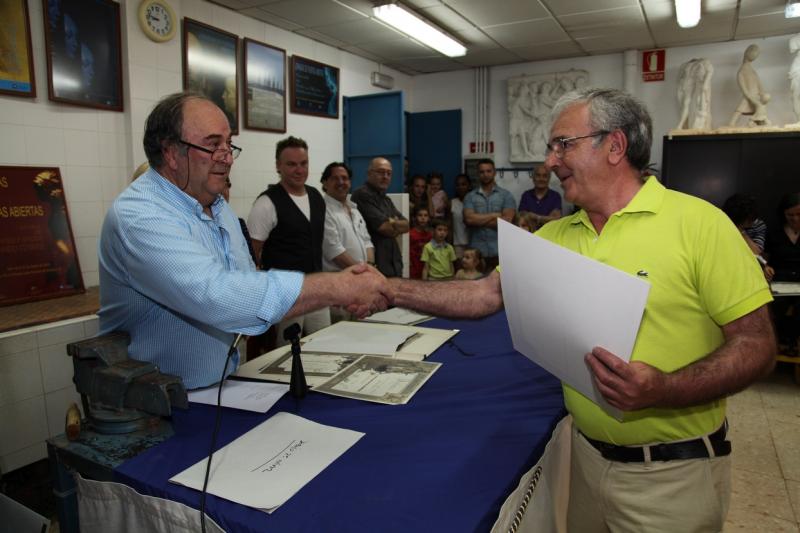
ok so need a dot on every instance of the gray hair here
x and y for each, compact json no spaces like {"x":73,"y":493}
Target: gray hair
{"x":612,"y":109}
{"x":164,"y":125}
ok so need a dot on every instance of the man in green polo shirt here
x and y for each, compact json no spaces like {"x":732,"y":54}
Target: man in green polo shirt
{"x":705,"y":333}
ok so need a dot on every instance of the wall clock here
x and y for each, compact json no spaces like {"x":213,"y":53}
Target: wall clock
{"x":157,"y":20}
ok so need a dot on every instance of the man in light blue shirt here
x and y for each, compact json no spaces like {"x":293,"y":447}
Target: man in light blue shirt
{"x":175,"y":271}
{"x":482,"y":207}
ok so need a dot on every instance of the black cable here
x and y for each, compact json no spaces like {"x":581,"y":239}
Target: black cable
{"x":214,"y":434}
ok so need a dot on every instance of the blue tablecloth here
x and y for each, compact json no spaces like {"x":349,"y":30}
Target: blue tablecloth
{"x":444,"y":462}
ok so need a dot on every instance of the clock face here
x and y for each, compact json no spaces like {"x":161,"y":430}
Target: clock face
{"x":158,"y":19}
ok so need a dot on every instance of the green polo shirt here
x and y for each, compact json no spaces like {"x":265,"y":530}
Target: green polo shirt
{"x":702,"y":276}
{"x":440,"y":259}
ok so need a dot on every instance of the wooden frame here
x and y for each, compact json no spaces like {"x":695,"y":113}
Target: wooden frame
{"x":264,"y":87}
{"x":17,"y":77}
{"x":210,"y":66}
{"x":84,"y":53}
{"x":38,"y":259}
{"x":315,"y":88}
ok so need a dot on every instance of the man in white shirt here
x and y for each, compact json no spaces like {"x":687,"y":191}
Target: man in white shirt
{"x":286,"y":225}
{"x":346,"y":240}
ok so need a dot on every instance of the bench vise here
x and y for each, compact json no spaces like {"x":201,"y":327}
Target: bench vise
{"x":120,"y":394}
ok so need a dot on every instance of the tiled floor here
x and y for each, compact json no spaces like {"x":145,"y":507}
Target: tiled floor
{"x":765,"y":433}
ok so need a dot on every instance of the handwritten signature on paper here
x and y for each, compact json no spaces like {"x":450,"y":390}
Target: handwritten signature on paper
{"x":277,"y":460}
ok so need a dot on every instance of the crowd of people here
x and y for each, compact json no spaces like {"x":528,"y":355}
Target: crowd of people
{"x":180,"y":275}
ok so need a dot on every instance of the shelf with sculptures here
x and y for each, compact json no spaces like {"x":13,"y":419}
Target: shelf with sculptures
{"x":750,"y":115}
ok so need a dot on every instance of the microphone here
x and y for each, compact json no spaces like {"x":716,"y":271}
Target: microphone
{"x":297,"y":385}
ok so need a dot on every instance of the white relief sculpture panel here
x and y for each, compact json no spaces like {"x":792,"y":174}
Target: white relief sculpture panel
{"x":530,"y":100}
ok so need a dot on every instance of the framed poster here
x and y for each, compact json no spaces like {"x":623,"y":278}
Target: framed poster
{"x":264,"y":87}
{"x":37,"y":250}
{"x":16,"y":58}
{"x":209,"y":66}
{"x":315,"y":88}
{"x":84,"y":58}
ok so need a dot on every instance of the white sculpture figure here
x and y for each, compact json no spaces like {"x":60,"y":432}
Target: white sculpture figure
{"x":694,"y":94}
{"x":520,"y":121}
{"x":754,"y":101}
{"x":794,"y":77}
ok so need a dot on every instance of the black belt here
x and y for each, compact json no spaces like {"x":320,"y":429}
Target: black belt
{"x":673,"y":451}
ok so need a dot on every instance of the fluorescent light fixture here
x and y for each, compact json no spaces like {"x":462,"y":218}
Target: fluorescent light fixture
{"x":418,"y":29}
{"x":792,"y":9}
{"x":687,"y":12}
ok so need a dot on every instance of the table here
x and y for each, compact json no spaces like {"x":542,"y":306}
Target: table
{"x":444,"y":462}
{"x":788,"y":289}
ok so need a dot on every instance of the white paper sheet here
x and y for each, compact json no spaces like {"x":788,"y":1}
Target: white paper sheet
{"x":349,"y":337}
{"x":561,"y":304}
{"x":267,"y":465}
{"x":785,"y":288}
{"x":247,"y":395}
{"x":398,"y":315}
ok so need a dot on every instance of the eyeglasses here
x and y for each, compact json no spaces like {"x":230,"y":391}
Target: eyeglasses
{"x":217,"y":154}
{"x":382,"y":171}
{"x":559,"y":146}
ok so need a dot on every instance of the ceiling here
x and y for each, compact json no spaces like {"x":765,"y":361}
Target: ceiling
{"x":499,"y":32}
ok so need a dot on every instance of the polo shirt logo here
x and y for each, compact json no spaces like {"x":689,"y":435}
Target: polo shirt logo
{"x":642,"y":273}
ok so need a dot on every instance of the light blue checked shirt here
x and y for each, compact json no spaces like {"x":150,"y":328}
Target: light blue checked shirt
{"x":183,"y":283}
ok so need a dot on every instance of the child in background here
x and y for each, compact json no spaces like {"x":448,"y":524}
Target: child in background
{"x":527,"y":221}
{"x":418,"y":194}
{"x":460,"y":233}
{"x":471,"y":265}
{"x":439,"y":203}
{"x":438,"y":255}
{"x":419,"y":235}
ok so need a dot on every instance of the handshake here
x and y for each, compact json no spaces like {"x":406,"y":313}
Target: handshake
{"x":364,"y":290}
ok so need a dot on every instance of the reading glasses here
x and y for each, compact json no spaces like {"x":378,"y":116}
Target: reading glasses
{"x":559,"y":145}
{"x":217,"y":154}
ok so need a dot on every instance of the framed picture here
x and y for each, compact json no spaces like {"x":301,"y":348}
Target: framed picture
{"x":37,"y":250}
{"x":315,"y":88}
{"x":84,"y":59}
{"x":209,"y":66}
{"x":264,"y":87}
{"x":16,"y":58}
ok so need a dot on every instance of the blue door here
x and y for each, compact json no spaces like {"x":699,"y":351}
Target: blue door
{"x":374,"y":127}
{"x":434,"y":145}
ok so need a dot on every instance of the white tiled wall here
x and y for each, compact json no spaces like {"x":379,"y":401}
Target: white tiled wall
{"x":36,"y":387}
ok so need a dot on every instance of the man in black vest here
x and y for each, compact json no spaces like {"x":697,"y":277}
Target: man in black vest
{"x":287,"y":223}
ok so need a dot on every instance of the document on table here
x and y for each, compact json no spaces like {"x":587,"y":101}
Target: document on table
{"x":378,"y":379}
{"x":350,"y":337}
{"x":398,"y":315}
{"x":785,"y":288}
{"x":314,"y":364}
{"x":267,"y":465}
{"x":247,"y":395}
{"x":561,"y":304}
